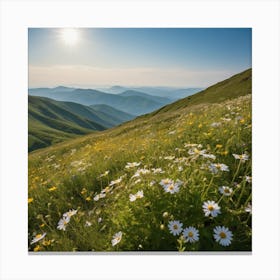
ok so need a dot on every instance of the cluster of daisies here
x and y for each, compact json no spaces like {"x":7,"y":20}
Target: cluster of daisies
{"x":171,"y":186}
{"x":221,"y":234}
{"x":66,"y":217}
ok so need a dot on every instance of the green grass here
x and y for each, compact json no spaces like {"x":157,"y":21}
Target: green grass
{"x":67,"y":176}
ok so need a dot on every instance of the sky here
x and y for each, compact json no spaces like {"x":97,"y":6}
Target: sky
{"x":176,"y":57}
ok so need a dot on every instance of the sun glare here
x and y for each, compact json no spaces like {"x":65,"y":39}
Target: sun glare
{"x":70,"y":36}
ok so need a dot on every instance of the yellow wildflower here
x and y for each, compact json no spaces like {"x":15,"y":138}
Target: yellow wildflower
{"x":88,"y":198}
{"x":218,"y":146}
{"x":53,"y":188}
{"x":37,"y":248}
{"x":30,"y":200}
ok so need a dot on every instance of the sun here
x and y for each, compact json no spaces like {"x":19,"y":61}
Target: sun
{"x":70,"y":36}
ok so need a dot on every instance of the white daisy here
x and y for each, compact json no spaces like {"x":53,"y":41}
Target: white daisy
{"x":248,"y":208}
{"x":223,"y":235}
{"x":140,"y":172}
{"x":211,"y":208}
{"x":166,"y":181}
{"x":88,"y":224}
{"x":175,"y":227}
{"x":172,"y":188}
{"x":191,"y":234}
{"x":38,"y":237}
{"x":242,"y":157}
{"x":248,"y":179}
{"x":209,"y":156}
{"x":139,"y":194}
{"x":117,"y":238}
{"x":104,"y":174}
{"x":132,"y":164}
{"x":215,"y":124}
{"x":227,"y":191}
{"x":169,"y":157}
{"x":157,"y":170}
{"x":132,"y":197}
{"x":97,"y":197}
{"x":195,"y":151}
{"x":115,"y":182}
{"x":99,"y":220}
{"x":215,"y":167}
{"x":70,"y":213}
{"x":63,"y":223}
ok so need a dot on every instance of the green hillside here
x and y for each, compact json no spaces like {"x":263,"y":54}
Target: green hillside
{"x":49,"y":123}
{"x":238,"y":85}
{"x":188,"y":163}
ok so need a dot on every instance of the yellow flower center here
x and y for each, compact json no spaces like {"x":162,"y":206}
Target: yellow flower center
{"x":210,"y":207}
{"x":226,"y":190}
{"x":223,"y":235}
{"x":175,"y":226}
{"x":171,"y":187}
{"x":38,"y":235}
{"x":190,"y":234}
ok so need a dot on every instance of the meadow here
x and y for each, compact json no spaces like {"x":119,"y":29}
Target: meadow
{"x":174,"y":180}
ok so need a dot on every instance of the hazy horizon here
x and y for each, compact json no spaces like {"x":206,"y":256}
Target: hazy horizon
{"x":136,"y":57}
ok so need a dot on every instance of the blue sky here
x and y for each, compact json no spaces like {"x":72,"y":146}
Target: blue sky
{"x":179,"y":57}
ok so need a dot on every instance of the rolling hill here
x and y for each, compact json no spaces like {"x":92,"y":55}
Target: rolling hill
{"x":53,"y":121}
{"x":135,"y":104}
{"x":126,"y":187}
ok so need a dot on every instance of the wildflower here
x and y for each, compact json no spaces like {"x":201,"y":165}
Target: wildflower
{"x":173,"y":187}
{"x":191,"y":234}
{"x":165,"y":182}
{"x":97,"y":197}
{"x":70,"y":213}
{"x":215,"y":124}
{"x":180,"y":168}
{"x":211,"y":208}
{"x":175,"y":227}
{"x":38,"y":237}
{"x":209,"y":156}
{"x":84,"y":191}
{"x":169,"y":157}
{"x":248,"y":208}
{"x":30,"y":200}
{"x":104,"y":174}
{"x":195,"y":151}
{"x":132,"y":164}
{"x":242,"y":157}
{"x":63,"y":222}
{"x":157,"y":170}
{"x":133,"y":197}
{"x":219,"y":146}
{"x":165,"y":215}
{"x":152,"y":183}
{"x":223,"y":235}
{"x":88,"y":224}
{"x":52,"y":189}
{"x":115,"y":182}
{"x":248,"y":179}
{"x":37,"y":248}
{"x":47,"y":242}
{"x":99,"y":220}
{"x":215,"y":167}
{"x":88,"y":198}
{"x":117,"y":238}
{"x":227,"y":191}
{"x":141,"y":171}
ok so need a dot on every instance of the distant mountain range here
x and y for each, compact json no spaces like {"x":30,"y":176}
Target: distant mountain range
{"x":51,"y":121}
{"x":166,"y":92}
{"x":131,"y":101}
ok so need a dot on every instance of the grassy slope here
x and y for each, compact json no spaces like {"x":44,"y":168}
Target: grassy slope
{"x":49,"y":122}
{"x":74,"y":169}
{"x":238,"y":85}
